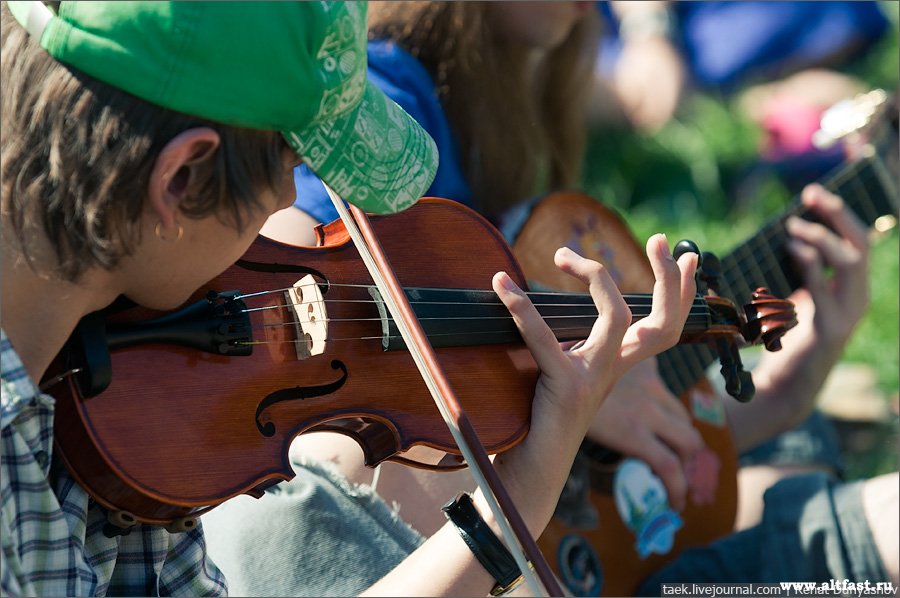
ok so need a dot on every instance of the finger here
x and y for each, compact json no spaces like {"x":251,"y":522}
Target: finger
{"x":810,"y":264}
{"x":848,"y":261}
{"x":833,"y":210}
{"x":670,"y":469}
{"x":673,"y":296}
{"x":677,"y":433}
{"x":837,"y":251}
{"x":538,"y":337}
{"x":675,"y":409}
{"x":668,"y":274}
{"x":614,"y":317}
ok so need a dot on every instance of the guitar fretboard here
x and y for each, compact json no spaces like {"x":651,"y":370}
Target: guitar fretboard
{"x":763,"y":260}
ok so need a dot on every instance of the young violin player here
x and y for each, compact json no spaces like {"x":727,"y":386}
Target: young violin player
{"x":144,"y":145}
{"x":502,"y":89}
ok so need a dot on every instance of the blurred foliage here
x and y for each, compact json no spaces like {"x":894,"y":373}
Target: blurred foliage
{"x":702,"y":177}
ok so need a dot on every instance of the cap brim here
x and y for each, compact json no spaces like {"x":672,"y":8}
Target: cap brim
{"x":374,"y":156}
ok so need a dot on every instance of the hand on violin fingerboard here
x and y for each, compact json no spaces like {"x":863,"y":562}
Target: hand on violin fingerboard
{"x":574,"y":382}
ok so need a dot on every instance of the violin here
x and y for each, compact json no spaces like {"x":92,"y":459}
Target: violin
{"x":162,"y":416}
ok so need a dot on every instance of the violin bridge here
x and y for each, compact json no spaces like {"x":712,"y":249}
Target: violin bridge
{"x":310,"y":318}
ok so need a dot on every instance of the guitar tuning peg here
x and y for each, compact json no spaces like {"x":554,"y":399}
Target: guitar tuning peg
{"x":710,"y":270}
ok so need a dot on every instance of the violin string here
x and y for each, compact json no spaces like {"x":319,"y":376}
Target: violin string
{"x":395,"y":336}
{"x":636,"y":314}
{"x":636,"y":302}
{"x":371,"y":286}
{"x":461,"y":318}
{"x":697,"y":305}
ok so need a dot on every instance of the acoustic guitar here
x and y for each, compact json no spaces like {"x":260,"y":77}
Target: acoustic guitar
{"x":588,"y":542}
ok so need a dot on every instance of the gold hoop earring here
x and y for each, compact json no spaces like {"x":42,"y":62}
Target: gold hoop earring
{"x":161,"y":237}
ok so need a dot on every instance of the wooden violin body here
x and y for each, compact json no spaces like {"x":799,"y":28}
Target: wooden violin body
{"x":163,"y":416}
{"x":179,"y":430}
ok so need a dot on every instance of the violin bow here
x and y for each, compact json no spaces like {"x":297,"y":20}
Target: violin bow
{"x":508,"y":518}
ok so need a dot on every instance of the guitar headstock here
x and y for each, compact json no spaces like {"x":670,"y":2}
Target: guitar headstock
{"x":850,"y":118}
{"x":867,"y":126}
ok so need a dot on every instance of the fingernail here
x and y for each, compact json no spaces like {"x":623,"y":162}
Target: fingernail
{"x":507,"y":283}
{"x":813,"y":191}
{"x":663,"y":245}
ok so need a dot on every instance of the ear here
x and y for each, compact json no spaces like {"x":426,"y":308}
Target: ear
{"x":172,"y":172}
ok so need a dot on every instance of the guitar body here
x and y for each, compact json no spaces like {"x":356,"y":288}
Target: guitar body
{"x":581,"y":223}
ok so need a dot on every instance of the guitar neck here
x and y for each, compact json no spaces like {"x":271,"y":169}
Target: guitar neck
{"x":763,"y":260}
{"x":867,"y":188}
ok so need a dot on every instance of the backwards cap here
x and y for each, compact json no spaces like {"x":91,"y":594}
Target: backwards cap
{"x":294,"y":67}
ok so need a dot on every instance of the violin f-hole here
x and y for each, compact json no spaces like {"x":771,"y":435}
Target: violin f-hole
{"x":298,"y":393}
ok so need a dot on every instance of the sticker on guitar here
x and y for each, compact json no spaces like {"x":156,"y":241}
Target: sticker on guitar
{"x":643,"y":504}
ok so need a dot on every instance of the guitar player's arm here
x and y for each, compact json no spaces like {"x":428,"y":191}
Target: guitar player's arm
{"x":834,"y":263}
{"x":291,"y":226}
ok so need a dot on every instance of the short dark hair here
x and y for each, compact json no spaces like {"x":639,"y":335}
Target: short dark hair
{"x":77,"y":155}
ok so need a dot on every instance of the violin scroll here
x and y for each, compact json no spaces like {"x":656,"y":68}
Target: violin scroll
{"x":764,"y":320}
{"x":768,"y":318}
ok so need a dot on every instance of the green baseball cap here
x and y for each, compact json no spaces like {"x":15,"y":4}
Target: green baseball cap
{"x":294,"y":67}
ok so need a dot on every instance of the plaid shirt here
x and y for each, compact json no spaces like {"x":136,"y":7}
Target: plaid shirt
{"x":52,"y":532}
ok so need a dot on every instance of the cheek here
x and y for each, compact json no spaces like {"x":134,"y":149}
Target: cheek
{"x":284,"y":196}
{"x":228,"y":246}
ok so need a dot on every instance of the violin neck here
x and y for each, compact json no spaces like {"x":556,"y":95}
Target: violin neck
{"x":467,"y":317}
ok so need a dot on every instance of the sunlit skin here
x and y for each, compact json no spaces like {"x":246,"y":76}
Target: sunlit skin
{"x":162,"y":274}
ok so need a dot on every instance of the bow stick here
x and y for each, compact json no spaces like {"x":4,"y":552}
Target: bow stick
{"x":508,"y":518}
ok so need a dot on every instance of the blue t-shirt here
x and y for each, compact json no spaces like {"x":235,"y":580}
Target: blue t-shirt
{"x":404,"y":80}
{"x":727,"y":44}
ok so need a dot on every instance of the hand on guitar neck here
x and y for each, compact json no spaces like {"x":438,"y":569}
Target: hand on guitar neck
{"x":833,"y":257}
{"x":641,"y":418}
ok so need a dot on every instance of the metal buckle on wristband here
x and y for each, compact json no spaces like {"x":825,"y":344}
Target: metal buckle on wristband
{"x":499,"y":590}
{"x":493,"y":555}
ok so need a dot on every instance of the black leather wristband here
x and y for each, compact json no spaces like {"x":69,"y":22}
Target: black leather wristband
{"x":493,"y":555}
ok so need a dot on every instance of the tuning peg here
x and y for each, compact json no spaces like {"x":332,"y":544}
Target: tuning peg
{"x":685,"y":246}
{"x":738,"y":382}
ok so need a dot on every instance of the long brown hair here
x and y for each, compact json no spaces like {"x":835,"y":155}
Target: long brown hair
{"x":517,"y":136}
